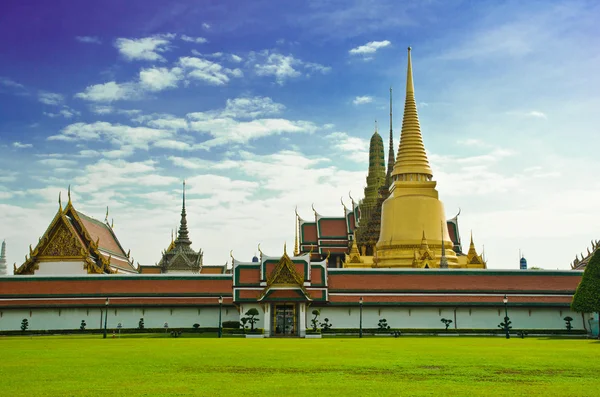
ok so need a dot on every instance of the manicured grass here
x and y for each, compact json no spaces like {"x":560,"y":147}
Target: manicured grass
{"x":163,"y":366}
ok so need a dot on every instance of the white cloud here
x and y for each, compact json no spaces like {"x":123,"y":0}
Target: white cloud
{"x":102,"y":109}
{"x":369,"y":48}
{"x":20,"y":145}
{"x":65,"y":112}
{"x":236,"y":58}
{"x":197,"y":40}
{"x":109,"y":92}
{"x":192,"y":163}
{"x":126,"y":138}
{"x":282,"y":67}
{"x":227,"y":130}
{"x":360,"y":100}
{"x":88,"y":39}
{"x":538,"y":114}
{"x":206,"y":25}
{"x":253,"y":107}
{"x":158,"y":79}
{"x":146,"y":49}
{"x":356,"y":149}
{"x":52,"y":162}
{"x":208,"y":71}
{"x":10,"y":83}
{"x":173,"y":144}
{"x":50,"y":98}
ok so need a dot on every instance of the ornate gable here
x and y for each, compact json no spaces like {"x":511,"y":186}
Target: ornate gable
{"x":284,"y":276}
{"x":66,"y":239}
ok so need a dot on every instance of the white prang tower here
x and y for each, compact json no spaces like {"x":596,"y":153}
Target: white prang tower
{"x":3,"y":259}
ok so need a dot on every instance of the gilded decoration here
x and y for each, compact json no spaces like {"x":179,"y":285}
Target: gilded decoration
{"x":62,"y":244}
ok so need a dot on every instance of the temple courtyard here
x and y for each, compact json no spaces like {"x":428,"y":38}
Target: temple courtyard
{"x":159,"y":365}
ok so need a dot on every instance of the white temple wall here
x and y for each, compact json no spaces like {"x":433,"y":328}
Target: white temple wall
{"x":430,"y":317}
{"x":57,"y":319}
{"x":60,"y":269}
{"x":340,"y":317}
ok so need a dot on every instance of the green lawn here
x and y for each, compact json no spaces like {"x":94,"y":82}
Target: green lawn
{"x":163,"y":366}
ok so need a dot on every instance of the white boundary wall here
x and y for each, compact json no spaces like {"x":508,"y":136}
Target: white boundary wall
{"x":340,"y":317}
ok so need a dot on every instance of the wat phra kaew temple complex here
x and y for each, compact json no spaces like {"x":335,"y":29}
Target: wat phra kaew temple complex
{"x":393,"y":255}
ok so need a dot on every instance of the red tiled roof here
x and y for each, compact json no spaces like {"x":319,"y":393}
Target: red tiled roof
{"x":332,"y":227}
{"x":98,"y":230}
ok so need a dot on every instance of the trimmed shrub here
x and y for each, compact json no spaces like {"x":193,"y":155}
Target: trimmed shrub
{"x":232,"y":324}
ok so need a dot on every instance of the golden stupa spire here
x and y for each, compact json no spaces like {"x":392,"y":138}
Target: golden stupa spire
{"x":411,"y":157}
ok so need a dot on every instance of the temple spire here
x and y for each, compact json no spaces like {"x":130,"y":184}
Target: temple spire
{"x":3,"y":258}
{"x":411,"y":158}
{"x":296,"y":250}
{"x":183,"y":235}
{"x":391,"y":156}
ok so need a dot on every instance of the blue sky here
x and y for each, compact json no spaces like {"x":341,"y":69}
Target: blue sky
{"x":262,"y":106}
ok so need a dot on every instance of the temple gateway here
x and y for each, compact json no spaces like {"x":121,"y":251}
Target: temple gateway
{"x":393,"y":255}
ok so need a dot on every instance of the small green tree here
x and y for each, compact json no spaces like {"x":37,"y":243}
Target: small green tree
{"x":82,"y":325}
{"x":315,"y":321}
{"x":587,"y":295}
{"x":446,"y":322}
{"x":141,"y":323}
{"x":326,"y":326}
{"x":24,"y":325}
{"x":196,"y":326}
{"x":568,"y":324}
{"x":252,"y":319}
{"x":383,"y":325}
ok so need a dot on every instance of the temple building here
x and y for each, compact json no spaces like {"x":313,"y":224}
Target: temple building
{"x":75,"y":243}
{"x":3,"y":270}
{"x":391,"y":256}
{"x":401,"y":221}
{"x":580,"y":264}
{"x":179,"y":257}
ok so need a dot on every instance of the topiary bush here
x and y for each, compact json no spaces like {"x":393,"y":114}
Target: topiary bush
{"x":252,"y":319}
{"x":446,"y":322}
{"x":82,"y":325}
{"x":141,"y":323}
{"x":232,"y":324}
{"x":568,"y":324}
{"x":326,"y":326}
{"x":383,"y":325}
{"x":24,"y":325}
{"x":315,"y":321}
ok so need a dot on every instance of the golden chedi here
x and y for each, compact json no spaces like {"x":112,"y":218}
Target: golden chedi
{"x":412,"y":219}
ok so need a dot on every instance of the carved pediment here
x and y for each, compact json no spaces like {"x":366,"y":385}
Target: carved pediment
{"x":285,"y":275}
{"x":62,"y":242}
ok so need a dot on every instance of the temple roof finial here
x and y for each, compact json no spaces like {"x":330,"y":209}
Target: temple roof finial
{"x":376,"y":131}
{"x":69,"y":194}
{"x":411,"y":157}
{"x":183,"y":235}
{"x":59,"y":201}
